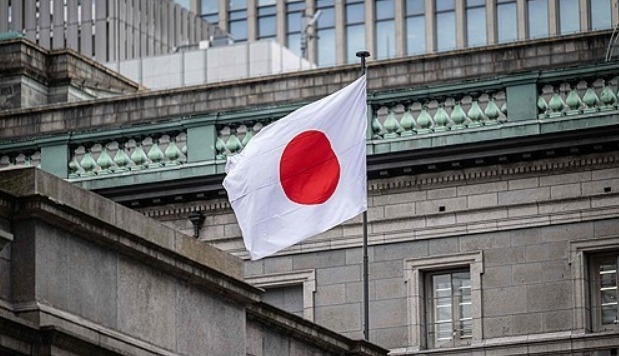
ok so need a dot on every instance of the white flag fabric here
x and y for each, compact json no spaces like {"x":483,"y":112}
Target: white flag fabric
{"x":302,"y":174}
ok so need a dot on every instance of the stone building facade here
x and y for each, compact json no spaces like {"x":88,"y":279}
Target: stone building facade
{"x":492,"y":181}
{"x":81,"y":275}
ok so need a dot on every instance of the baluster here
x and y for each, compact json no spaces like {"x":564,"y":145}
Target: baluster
{"x":138,"y":157}
{"x":458,"y":116}
{"x":590,"y":99}
{"x":74,"y":168}
{"x":441,"y":118}
{"x":573,"y":101}
{"x":172,"y":153}
{"x":475,"y":114}
{"x":424,"y":121}
{"x":220,"y":148}
{"x":608,"y":97}
{"x":104,"y":161}
{"x":155,"y":155}
{"x":392,"y":126}
{"x":377,"y":127}
{"x":121,"y":159}
{"x":407,"y":122}
{"x":88,"y":164}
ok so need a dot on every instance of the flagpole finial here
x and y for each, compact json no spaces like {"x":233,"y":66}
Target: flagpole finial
{"x":363,"y":55}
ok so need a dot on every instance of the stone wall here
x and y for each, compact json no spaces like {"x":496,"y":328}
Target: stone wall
{"x":525,"y":219}
{"x":121,"y":283}
{"x":264,"y":92}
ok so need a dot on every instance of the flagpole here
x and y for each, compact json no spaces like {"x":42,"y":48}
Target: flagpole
{"x":366,"y":274}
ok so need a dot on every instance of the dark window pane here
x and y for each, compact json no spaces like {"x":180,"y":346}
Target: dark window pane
{"x":238,"y":4}
{"x":444,"y":5}
{"x":569,"y":16}
{"x":476,"y":26}
{"x":267,"y":27}
{"x":327,"y":17}
{"x":415,"y":7}
{"x":326,"y":47}
{"x":507,"y":22}
{"x":471,"y":3}
{"x":238,"y":30}
{"x":294,"y":43}
{"x":445,"y":31}
{"x":355,"y":41}
{"x":384,"y":9}
{"x":538,"y":18}
{"x":355,"y":13}
{"x":210,"y":6}
{"x":385,"y":39}
{"x":416,"y":35}
{"x":238,"y":15}
{"x":600,"y":14}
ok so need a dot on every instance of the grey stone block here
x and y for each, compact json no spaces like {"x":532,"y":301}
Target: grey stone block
{"x":278,"y":264}
{"x":399,"y":210}
{"x":554,"y":271}
{"x":354,"y":292}
{"x":565,"y":179}
{"x":517,"y":184}
{"x":343,"y":318}
{"x":335,"y":275}
{"x":482,"y":200}
{"x":146,"y":300}
{"x":503,"y":256}
{"x":565,"y":191}
{"x":530,"y":323}
{"x":549,"y":296}
{"x":527,"y":273}
{"x":319,"y":259}
{"x":330,"y":295}
{"x":574,"y":231}
{"x":432,"y":206}
{"x":389,"y":288}
{"x":522,"y":237}
{"x":606,"y":227}
{"x":204,"y":323}
{"x":522,"y":196}
{"x":442,"y":246}
{"x":547,"y":252}
{"x":497,"y":277}
{"x":558,"y":320}
{"x":498,"y":327}
{"x":387,"y":269}
{"x":504,"y":301}
{"x":485,"y":241}
{"x":390,"y":338}
{"x":254,"y":268}
{"x":442,"y":193}
{"x":400,"y":251}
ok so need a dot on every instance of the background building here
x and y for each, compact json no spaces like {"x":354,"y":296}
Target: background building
{"x":398,"y":28}
{"x":106,"y":30}
{"x":493,"y":205}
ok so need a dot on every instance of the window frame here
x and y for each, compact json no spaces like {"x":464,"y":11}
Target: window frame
{"x":416,"y":272}
{"x":581,"y":254}
{"x":307,"y":278}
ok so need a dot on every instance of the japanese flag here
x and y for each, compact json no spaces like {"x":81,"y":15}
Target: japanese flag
{"x":303,"y":174}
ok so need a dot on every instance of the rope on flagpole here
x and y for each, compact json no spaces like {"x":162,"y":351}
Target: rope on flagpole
{"x":366,"y":275}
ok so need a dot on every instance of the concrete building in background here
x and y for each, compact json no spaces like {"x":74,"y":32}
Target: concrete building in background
{"x":492,"y":193}
{"x":400,"y":28}
{"x":106,"y":30}
{"x":210,"y":65}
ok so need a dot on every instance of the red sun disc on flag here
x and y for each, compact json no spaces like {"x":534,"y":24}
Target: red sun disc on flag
{"x":308,"y":169}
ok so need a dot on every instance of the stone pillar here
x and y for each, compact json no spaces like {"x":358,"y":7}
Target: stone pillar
{"x":522,"y":101}
{"x":201,"y":140}
{"x":55,"y":159}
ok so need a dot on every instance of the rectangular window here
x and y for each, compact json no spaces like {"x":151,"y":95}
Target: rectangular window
{"x":355,"y":29}
{"x":294,"y":25}
{"x":445,"y":25}
{"x":238,"y":25}
{"x":444,"y":300}
{"x":267,"y":27}
{"x":385,"y":29}
{"x":600,"y":14}
{"x":415,"y":27}
{"x":449,"y":308}
{"x":288,"y":298}
{"x":210,"y":11}
{"x":569,"y":16}
{"x":475,"y":23}
{"x":326,"y":32}
{"x":507,"y":21}
{"x":537,"y":12}
{"x":604,"y":292}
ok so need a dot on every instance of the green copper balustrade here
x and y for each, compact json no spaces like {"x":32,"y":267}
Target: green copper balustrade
{"x":127,"y":154}
{"x":419,"y":115}
{"x":28,"y":157}
{"x":232,"y":138}
{"x":581,"y":96}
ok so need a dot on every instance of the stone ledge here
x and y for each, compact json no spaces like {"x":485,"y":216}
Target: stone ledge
{"x":306,"y":330}
{"x":45,"y":196}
